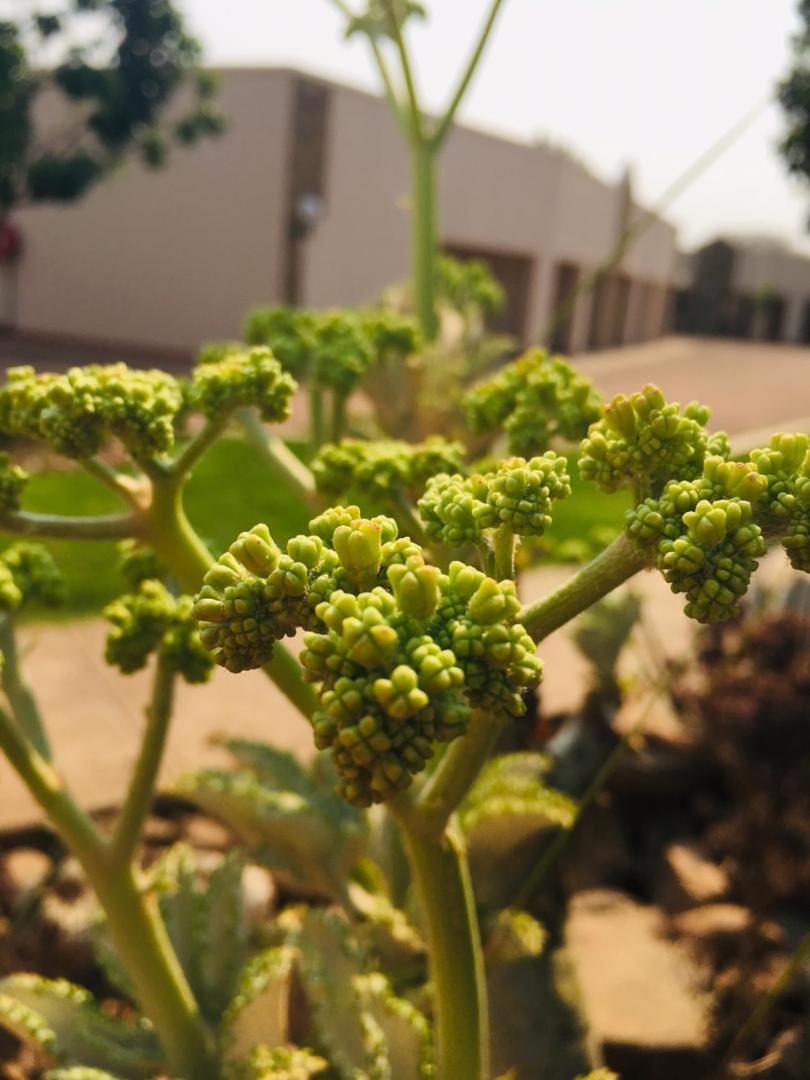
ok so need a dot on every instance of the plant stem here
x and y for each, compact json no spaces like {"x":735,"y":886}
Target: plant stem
{"x":414,"y":111}
{"x":68,"y":527}
{"x":613,"y":566}
{"x":315,"y":416}
{"x":143,"y":946}
{"x":123,"y":486}
{"x":503,"y":550}
{"x":278,"y":455}
{"x":142,"y":786}
{"x":441,"y":874}
{"x":198,"y":445}
{"x":446,"y":122}
{"x":338,"y":416}
{"x":423,"y":242}
{"x":137,"y":932}
{"x":457,"y":770}
{"x":766,"y":1003}
{"x":23,"y":704}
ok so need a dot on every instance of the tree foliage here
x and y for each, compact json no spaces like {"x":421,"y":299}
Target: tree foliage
{"x":794,"y":97}
{"x":110,"y":69}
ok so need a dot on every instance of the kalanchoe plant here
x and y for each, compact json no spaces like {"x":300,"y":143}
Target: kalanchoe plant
{"x":412,"y":665}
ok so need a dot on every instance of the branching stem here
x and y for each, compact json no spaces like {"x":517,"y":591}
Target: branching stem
{"x":24,"y":707}
{"x":619,"y":561}
{"x":141,"y":789}
{"x":69,"y":527}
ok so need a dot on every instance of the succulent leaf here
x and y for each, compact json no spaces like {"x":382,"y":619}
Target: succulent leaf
{"x":65,"y":1021}
{"x":258,"y":1014}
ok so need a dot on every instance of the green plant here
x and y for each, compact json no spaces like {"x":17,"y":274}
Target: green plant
{"x":383,"y":23}
{"x":413,"y":663}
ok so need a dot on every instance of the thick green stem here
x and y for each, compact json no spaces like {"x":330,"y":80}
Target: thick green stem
{"x":338,"y":425}
{"x":315,"y":416}
{"x":423,"y":243}
{"x":619,"y":561}
{"x":197,"y":446}
{"x":173,"y":537}
{"x":444,"y":889}
{"x":135,"y":926}
{"x":457,"y":770}
{"x":23,"y":704}
{"x":68,"y":527}
{"x":142,"y":786}
{"x":503,"y":550}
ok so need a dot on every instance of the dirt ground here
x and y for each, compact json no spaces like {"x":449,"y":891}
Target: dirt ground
{"x":95,"y":715}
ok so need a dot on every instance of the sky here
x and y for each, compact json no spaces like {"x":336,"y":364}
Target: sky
{"x":646,"y":83}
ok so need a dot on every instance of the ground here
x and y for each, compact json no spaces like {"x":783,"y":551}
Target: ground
{"x":95,"y":715}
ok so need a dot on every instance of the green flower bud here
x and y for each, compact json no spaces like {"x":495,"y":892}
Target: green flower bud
{"x":644,"y":439}
{"x":152,"y":620}
{"x":520,"y":494}
{"x":36,"y":576}
{"x":325,"y":524}
{"x":416,"y":586}
{"x":13,"y":479}
{"x":10,"y":595}
{"x":400,"y":695}
{"x":494,"y":601}
{"x":536,"y":399}
{"x":359,"y":548}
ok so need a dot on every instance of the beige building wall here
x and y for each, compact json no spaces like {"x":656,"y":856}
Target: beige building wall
{"x":169,"y":259}
{"x":172,"y":258}
{"x":360,"y":243}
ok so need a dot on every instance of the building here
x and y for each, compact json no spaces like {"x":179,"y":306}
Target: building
{"x":746,"y":288}
{"x":305,"y":199}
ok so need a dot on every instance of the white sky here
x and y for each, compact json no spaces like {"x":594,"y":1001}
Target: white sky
{"x":652,"y":83}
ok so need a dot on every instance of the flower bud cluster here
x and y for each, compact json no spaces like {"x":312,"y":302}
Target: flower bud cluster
{"x":535,"y":399}
{"x":643,"y":441}
{"x":518,"y":495}
{"x":705,"y":536}
{"x":290,"y":334}
{"x":150,"y":619}
{"x":249,"y":377}
{"x":29,"y":575}
{"x":468,"y":283}
{"x":785,"y":464}
{"x":335,"y":348}
{"x":76,"y":412}
{"x":399,"y":651}
{"x":384,"y":467}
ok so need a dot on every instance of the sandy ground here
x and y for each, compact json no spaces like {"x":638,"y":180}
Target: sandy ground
{"x":95,"y":715}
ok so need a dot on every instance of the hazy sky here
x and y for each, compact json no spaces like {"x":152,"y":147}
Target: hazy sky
{"x":652,"y":83}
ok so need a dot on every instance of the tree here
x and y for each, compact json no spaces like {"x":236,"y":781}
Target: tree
{"x":113,"y":67}
{"x":794,"y":96}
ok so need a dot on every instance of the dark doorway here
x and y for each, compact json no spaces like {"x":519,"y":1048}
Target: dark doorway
{"x":566,"y":278}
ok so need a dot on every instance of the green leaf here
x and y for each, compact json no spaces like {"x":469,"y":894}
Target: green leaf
{"x":66,"y":1022}
{"x":276,"y":768}
{"x":280,"y":829}
{"x":277,"y":1063}
{"x":385,"y":930}
{"x":330,"y":962}
{"x":259,"y":1012}
{"x":406,"y":1030}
